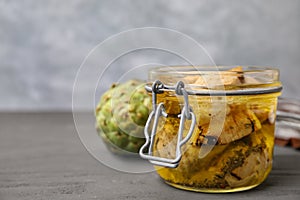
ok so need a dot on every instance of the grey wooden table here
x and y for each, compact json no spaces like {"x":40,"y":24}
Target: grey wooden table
{"x":41,"y":157}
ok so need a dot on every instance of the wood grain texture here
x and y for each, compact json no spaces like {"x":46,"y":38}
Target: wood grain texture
{"x":41,"y":157}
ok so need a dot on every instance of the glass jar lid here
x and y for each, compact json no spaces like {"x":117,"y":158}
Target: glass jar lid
{"x":218,"y":80}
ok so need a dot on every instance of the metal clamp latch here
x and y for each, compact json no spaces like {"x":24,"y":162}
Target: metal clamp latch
{"x":159,"y":111}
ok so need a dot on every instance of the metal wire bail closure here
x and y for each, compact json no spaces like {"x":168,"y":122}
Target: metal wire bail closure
{"x":159,"y":111}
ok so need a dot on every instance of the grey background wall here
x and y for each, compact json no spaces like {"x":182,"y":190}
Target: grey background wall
{"x":42,"y":43}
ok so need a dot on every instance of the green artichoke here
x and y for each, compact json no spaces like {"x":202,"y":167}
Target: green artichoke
{"x":121,"y":116}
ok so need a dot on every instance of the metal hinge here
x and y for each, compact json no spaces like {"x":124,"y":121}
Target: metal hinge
{"x":159,"y":111}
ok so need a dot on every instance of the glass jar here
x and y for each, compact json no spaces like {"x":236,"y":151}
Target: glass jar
{"x":212,"y":128}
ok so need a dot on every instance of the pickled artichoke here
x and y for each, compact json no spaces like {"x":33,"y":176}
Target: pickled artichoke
{"x":242,"y":152}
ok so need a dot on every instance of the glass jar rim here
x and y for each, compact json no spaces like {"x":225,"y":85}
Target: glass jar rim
{"x":219,"y":80}
{"x":271,"y":73}
{"x":204,"y":69}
